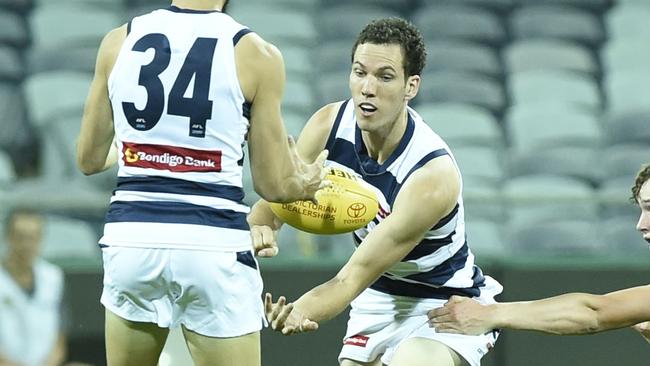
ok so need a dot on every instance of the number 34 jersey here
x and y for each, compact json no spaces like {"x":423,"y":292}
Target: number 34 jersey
{"x":180,"y":124}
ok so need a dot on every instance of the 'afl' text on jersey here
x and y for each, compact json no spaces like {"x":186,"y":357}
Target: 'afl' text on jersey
{"x":180,"y":125}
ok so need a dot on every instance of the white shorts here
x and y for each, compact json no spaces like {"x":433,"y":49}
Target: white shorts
{"x":216,"y":294}
{"x":380,"y":322}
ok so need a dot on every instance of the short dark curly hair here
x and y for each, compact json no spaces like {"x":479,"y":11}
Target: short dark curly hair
{"x":395,"y":30}
{"x":641,"y":177}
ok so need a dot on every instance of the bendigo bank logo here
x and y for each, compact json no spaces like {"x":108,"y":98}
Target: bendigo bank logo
{"x":171,"y":158}
{"x":357,"y":210}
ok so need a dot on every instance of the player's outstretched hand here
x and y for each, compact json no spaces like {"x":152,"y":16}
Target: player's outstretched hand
{"x":311,"y":177}
{"x":284,"y":318}
{"x":644,"y":329}
{"x":460,"y":315}
{"x":264,"y":241}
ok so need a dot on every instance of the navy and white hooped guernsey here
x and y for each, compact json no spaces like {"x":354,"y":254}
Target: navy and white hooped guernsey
{"x":180,"y":124}
{"x":442,"y":264}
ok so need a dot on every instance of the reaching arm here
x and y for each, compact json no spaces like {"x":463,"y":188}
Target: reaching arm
{"x":96,"y":150}
{"x":310,"y":145}
{"x":574,"y":313}
{"x":279,"y":175}
{"x":428,"y":195}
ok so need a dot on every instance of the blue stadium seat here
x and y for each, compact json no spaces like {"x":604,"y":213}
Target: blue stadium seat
{"x":554,"y":86}
{"x":55,"y":93}
{"x":11,"y":66}
{"x":460,"y":22}
{"x":558,"y":22}
{"x":572,"y":161}
{"x":565,"y":238}
{"x":333,"y":56}
{"x":57,"y":59}
{"x":627,"y":21}
{"x":462,"y":87}
{"x":549,"y":54}
{"x":13,"y":29}
{"x":344,"y":22}
{"x":627,"y":90}
{"x":277,"y":24}
{"x":463,"y":56}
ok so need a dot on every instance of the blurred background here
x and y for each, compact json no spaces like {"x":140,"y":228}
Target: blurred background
{"x":545,"y":104}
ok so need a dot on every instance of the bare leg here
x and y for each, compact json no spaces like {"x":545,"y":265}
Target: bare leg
{"x":210,"y":351}
{"x":421,"y":352}
{"x":133,"y":343}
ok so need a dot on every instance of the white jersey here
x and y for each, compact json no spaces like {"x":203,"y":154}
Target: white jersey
{"x":180,"y":123}
{"x":442,"y":264}
{"x":30,"y":323}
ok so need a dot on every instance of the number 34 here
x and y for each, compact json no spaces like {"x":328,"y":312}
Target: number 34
{"x":197,"y":65}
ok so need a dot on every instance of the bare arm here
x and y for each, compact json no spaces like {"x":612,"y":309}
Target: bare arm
{"x":95,"y":148}
{"x":59,"y":352}
{"x":279,"y":175}
{"x":574,"y":313}
{"x":262,"y":220}
{"x":433,"y":190}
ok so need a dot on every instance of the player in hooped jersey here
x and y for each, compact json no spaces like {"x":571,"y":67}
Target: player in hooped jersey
{"x":176,"y":93}
{"x":414,"y":255}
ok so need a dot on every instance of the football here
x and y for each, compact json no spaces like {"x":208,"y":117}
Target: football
{"x":347,"y":204}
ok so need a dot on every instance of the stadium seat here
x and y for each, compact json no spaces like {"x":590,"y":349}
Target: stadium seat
{"x":480,"y":163}
{"x":501,"y":7}
{"x":57,"y":59}
{"x":540,"y":86}
{"x":104,"y":4}
{"x":277,"y":24}
{"x":593,"y":5}
{"x":628,"y":126}
{"x":11,"y":66}
{"x":13,"y":29}
{"x":345,"y":21}
{"x":536,"y":127}
{"x":483,"y":200}
{"x":627,"y":90}
{"x":332,"y":87}
{"x":55,"y":93}
{"x":621,"y":238}
{"x":7,"y":171}
{"x":65,"y":238}
{"x":462,"y":124}
{"x":294,"y":122}
{"x":624,"y":160}
{"x":543,"y":198}
{"x":559,"y":22}
{"x":21,"y":6}
{"x":614,"y":197}
{"x":460,"y":22}
{"x":297,"y":62}
{"x":12,"y":110}
{"x":401,"y":7}
{"x":626,"y":54}
{"x":565,"y":238}
{"x":299,"y":96}
{"x":448,"y":86}
{"x":485,"y":238}
{"x":549,"y":54}
{"x":628,"y":21}
{"x":70,"y":25}
{"x":333,"y":56}
{"x":463,"y":56}
{"x":572,"y":161}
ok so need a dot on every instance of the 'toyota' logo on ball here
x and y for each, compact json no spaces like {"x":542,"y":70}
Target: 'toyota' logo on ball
{"x":357,"y":210}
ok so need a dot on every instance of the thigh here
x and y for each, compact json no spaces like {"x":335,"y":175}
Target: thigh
{"x":132,"y":343}
{"x":420,"y":352}
{"x":221,"y":293}
{"x":210,"y":351}
{"x":348,"y":362}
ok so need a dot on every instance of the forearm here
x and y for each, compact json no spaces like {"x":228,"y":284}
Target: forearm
{"x":325,"y":301}
{"x":573,"y":313}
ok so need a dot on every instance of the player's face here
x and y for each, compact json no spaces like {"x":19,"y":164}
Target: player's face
{"x":24,"y":237}
{"x":378,"y":85}
{"x":644,"y":202}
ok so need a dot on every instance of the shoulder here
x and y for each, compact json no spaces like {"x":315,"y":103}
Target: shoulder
{"x":110,"y":48}
{"x":256,"y":49}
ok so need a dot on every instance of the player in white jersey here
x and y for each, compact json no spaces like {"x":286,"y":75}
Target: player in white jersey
{"x":413,"y":256}
{"x":31,"y":294}
{"x":171,"y":101}
{"x":573,"y":313}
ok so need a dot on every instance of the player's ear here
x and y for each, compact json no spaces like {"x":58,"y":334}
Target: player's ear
{"x":412,"y":86}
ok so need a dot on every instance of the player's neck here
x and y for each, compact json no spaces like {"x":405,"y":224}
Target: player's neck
{"x":22,"y":274}
{"x":381,"y":144}
{"x":198,"y":4}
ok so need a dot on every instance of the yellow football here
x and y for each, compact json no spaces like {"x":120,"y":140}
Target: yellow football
{"x":348,"y":204}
